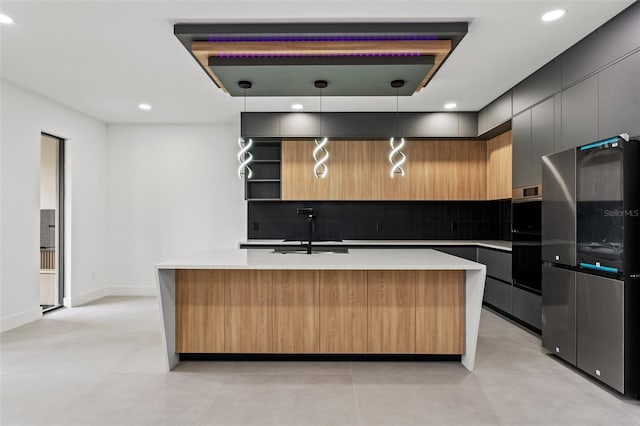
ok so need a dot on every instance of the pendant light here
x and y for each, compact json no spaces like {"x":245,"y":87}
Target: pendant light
{"x":396,"y":156}
{"x":320,"y":153}
{"x":244,"y":155}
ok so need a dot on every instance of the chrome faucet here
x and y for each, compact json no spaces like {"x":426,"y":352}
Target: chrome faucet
{"x":311,"y":220}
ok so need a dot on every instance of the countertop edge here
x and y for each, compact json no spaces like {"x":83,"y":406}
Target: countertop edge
{"x":490,"y":244}
{"x":357,"y":259}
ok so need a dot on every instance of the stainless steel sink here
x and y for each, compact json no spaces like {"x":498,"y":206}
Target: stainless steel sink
{"x":314,"y":250}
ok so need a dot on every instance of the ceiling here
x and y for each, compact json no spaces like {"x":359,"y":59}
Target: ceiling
{"x":103,"y":58}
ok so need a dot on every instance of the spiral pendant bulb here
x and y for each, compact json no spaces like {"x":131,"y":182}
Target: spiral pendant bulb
{"x":320,"y":169}
{"x":244,"y":158}
{"x":397,"y":157}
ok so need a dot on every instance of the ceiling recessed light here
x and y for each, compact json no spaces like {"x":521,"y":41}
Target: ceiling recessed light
{"x":553,"y":15}
{"x":4,"y":19}
{"x":145,"y":107}
{"x":297,"y":107}
{"x":450,"y":105}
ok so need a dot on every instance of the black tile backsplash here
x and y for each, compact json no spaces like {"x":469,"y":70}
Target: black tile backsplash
{"x":382,"y":220}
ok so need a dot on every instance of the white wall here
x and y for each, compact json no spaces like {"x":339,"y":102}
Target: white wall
{"x":23,"y":116}
{"x":172,"y":191}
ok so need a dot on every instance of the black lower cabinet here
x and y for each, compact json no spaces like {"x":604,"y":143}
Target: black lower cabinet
{"x":559,"y":312}
{"x":468,"y":253}
{"x":498,"y":294}
{"x":527,"y":307}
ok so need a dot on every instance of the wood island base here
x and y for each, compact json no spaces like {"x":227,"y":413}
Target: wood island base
{"x":261,"y":309}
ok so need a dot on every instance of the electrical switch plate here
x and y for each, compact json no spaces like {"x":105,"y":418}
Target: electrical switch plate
{"x":557,"y":257}
{"x":597,"y":372}
{"x":557,"y":349}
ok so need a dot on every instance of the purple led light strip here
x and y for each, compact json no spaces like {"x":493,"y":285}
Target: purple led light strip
{"x":297,"y":55}
{"x":333,"y":39}
{"x":317,"y":39}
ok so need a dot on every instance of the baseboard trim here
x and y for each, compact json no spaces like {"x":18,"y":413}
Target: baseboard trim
{"x":83,"y":299}
{"x":17,"y":320}
{"x":122,"y":290}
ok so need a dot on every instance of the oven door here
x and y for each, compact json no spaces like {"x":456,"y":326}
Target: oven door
{"x":527,"y":261}
{"x":527,"y":244}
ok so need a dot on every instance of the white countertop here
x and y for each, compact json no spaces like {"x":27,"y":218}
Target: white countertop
{"x":358,"y":259}
{"x":492,"y":244}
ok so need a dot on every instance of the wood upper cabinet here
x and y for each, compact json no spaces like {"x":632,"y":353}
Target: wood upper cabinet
{"x":199,"y":311}
{"x":295,"y":312}
{"x":385,"y":187}
{"x":297,"y":178}
{"x":453,"y":170}
{"x":440,"y":312}
{"x":392,"y":312}
{"x":360,"y":170}
{"x":445,"y":170}
{"x":499,"y":167}
{"x":249,"y":320}
{"x":343,"y":311}
{"x":349,"y":171}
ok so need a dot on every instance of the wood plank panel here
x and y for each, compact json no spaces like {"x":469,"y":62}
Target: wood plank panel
{"x":499,"y":165}
{"x":451,"y":170}
{"x":360,"y":170}
{"x":296,"y":312}
{"x":199,"y":311}
{"x":320,"y":48}
{"x":391,"y":312}
{"x":249,"y":321}
{"x":386,"y":187}
{"x":468,"y":173}
{"x":348,"y":178}
{"x":440,"y":312}
{"x":343,"y":311}
{"x":298,"y":181}
{"x":353,"y":170}
{"x":423,"y":180}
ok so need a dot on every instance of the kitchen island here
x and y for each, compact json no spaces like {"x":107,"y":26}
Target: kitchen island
{"x":366,"y":301}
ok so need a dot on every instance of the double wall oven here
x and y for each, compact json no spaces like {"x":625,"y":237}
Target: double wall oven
{"x":526,"y":234}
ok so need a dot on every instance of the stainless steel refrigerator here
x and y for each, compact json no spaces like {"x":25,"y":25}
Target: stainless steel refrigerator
{"x":591,"y":260}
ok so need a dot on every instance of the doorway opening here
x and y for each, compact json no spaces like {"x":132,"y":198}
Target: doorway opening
{"x":51,"y":222}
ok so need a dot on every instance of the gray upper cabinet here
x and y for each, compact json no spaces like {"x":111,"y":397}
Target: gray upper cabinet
{"x":557,"y":122}
{"x":359,"y":124}
{"x":533,"y":136}
{"x":299,"y":124}
{"x":467,"y":124}
{"x":312,"y":124}
{"x":540,"y":85}
{"x":497,"y":112}
{"x":372,"y":124}
{"x":334,"y":124}
{"x":580,"y":113}
{"x":260,"y":124}
{"x":542,"y":137}
{"x":521,"y":146}
{"x":619,"y":98}
{"x":429,"y":125}
{"x":613,"y":40}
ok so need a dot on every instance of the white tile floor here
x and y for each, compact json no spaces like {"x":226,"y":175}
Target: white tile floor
{"x":100,"y":364}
